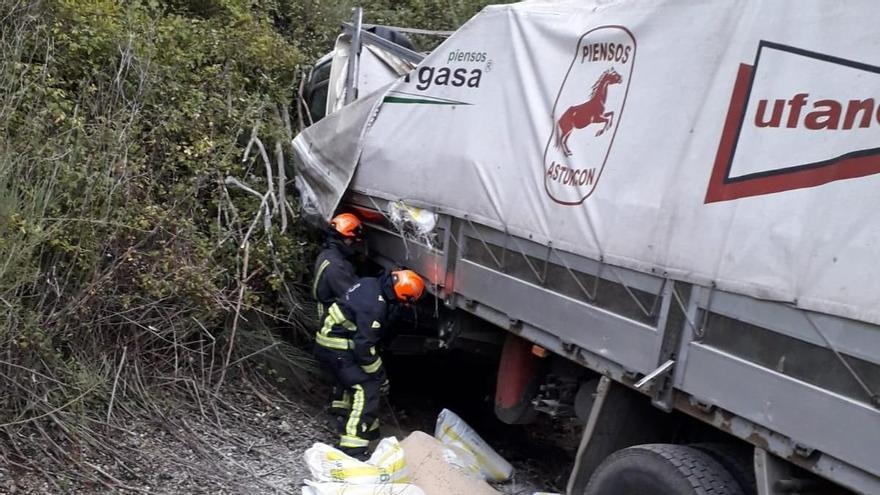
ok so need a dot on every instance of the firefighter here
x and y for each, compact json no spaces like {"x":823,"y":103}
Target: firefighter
{"x":334,"y":275}
{"x":346,"y":345}
{"x":334,"y":271}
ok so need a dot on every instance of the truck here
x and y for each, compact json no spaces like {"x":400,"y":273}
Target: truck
{"x":663,"y":213}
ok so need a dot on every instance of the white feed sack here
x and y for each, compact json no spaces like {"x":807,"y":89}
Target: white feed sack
{"x":386,"y":465}
{"x":453,"y":432}
{"x":371,"y":489}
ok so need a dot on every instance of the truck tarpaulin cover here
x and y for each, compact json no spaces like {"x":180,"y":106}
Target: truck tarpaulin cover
{"x":734,"y":142}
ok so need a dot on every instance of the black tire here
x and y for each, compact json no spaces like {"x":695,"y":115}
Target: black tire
{"x":661,"y":469}
{"x":738,"y":461}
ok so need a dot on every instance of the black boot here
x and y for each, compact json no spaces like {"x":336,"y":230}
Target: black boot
{"x":359,"y":453}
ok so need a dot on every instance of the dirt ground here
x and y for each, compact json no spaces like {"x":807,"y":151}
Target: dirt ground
{"x":249,"y":446}
{"x":253,"y":444}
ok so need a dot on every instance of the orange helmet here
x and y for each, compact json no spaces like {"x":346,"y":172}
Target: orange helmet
{"x":408,"y":285}
{"x":348,"y":225}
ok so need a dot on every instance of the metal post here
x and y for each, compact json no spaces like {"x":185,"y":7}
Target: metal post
{"x":351,"y":78}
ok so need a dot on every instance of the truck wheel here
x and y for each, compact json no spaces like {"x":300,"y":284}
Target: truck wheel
{"x":738,"y":461}
{"x":661,"y":469}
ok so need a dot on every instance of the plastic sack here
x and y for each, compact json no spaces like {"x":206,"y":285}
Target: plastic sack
{"x":452,"y":431}
{"x":313,"y":488}
{"x":416,"y":222}
{"x":386,"y":465}
{"x":460,"y":458}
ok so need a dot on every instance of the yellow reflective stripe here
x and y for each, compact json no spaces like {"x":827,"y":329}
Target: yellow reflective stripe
{"x":321,"y":269}
{"x":336,"y":314}
{"x":323,"y":337}
{"x":320,"y":311}
{"x":349,"y":441}
{"x":357,"y":408}
{"x":376,"y":324}
{"x":339,"y":318}
{"x":344,"y":402}
{"x":374,"y":367}
{"x":337,"y":343}
{"x":328,"y":325}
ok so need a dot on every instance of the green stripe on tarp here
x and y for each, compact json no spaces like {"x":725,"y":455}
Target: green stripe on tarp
{"x":420,"y":101}
{"x":418,"y":96}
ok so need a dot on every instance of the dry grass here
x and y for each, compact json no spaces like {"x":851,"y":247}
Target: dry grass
{"x":133,"y":277}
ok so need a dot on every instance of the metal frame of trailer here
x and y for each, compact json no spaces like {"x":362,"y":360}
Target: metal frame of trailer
{"x":795,"y":384}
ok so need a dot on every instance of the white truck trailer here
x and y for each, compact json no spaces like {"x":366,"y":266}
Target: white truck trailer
{"x":673,"y":203}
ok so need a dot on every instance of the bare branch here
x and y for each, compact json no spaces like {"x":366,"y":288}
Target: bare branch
{"x":241,"y":287}
{"x":235,"y":182}
{"x":269,"y":179}
{"x":247,"y":149}
{"x":60,"y":408}
{"x":282,"y":185}
{"x":115,"y":382}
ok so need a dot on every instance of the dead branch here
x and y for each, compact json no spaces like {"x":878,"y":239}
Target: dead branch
{"x":116,"y":382}
{"x":247,"y":149}
{"x":110,"y":477}
{"x":239,"y":301}
{"x":264,"y":349}
{"x":60,"y":408}
{"x":299,"y":104}
{"x":282,"y":185}
{"x":235,"y":182}
{"x":269,"y":181}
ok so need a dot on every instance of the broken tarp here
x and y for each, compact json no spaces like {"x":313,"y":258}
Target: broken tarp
{"x":327,"y":153}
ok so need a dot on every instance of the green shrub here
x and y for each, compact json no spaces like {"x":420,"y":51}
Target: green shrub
{"x":132,"y":244}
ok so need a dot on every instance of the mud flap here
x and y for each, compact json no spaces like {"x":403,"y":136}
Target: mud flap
{"x":519,"y":377}
{"x":619,"y":418}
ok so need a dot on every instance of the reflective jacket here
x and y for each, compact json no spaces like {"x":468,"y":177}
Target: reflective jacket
{"x":358,"y":321}
{"x":334,"y":274}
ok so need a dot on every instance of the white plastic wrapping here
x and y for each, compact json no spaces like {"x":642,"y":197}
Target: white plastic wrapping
{"x":417,"y":223}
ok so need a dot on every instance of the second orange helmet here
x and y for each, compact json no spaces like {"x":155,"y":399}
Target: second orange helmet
{"x":408,"y":285}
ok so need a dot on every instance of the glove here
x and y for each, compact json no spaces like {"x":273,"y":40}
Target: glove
{"x":385,"y":388}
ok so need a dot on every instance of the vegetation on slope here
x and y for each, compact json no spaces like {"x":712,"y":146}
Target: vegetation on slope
{"x":150,"y":243}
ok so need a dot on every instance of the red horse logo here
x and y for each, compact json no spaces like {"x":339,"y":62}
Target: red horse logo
{"x":590,"y":112}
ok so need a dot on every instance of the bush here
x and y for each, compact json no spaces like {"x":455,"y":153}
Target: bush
{"x":121,"y":238}
{"x":148,"y":237}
